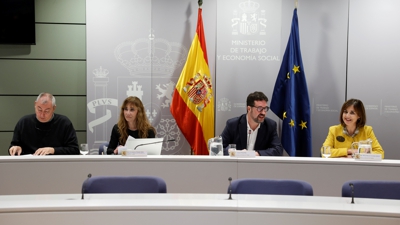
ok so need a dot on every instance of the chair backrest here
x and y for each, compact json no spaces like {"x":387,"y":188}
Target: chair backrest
{"x":270,"y":187}
{"x":124,"y":184}
{"x":101,"y":148}
{"x":372,"y":189}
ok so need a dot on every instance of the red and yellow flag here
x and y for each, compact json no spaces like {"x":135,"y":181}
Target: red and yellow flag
{"x":193,"y":102}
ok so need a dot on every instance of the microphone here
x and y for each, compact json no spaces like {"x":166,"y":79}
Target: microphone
{"x":352,"y":192}
{"x":83,"y":187}
{"x":150,"y":143}
{"x":230,"y":189}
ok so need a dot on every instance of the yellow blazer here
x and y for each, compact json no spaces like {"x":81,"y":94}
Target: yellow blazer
{"x":340,"y":142}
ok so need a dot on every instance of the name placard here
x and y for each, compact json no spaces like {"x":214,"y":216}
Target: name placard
{"x":368,"y":157}
{"x":242,"y":154}
{"x":134,"y":153}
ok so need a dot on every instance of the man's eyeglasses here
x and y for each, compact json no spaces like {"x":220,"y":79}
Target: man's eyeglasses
{"x":260,"y":108}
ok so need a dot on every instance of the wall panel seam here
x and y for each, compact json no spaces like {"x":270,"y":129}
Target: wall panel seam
{"x":83,"y":24}
{"x":49,"y":59}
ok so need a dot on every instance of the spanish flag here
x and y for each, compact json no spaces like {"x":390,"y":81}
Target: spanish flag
{"x":193,"y":102}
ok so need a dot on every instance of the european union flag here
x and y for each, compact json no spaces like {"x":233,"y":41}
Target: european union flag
{"x":290,"y":100}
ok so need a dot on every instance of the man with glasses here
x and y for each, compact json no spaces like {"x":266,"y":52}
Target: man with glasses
{"x":44,"y":133}
{"x":253,"y":130}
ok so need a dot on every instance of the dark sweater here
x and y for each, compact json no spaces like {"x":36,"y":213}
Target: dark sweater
{"x":59,"y":133}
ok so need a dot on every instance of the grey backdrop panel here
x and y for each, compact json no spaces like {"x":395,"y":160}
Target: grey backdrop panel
{"x":323,"y":58}
{"x":117,"y":49}
{"x":248,"y":55}
{"x":323,"y":33}
{"x":323,"y":37}
{"x":374,"y":55}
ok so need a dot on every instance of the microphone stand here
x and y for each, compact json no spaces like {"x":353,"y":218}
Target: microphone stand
{"x":153,"y":143}
{"x":83,"y":187}
{"x":230,"y":189}
{"x":352,"y":192}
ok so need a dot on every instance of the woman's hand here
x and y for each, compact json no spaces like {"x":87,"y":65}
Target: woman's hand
{"x":116,"y":150}
{"x":352,"y":151}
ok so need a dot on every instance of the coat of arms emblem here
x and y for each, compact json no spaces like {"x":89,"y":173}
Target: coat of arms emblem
{"x":199,"y":90}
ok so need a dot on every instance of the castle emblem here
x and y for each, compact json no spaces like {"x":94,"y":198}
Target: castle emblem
{"x":199,"y":90}
{"x":135,"y":90}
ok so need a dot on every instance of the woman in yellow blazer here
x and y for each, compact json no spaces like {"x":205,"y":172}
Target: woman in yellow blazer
{"x":351,"y":129}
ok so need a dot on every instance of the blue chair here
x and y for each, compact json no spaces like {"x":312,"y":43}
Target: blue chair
{"x":101,"y":148}
{"x":124,"y":184}
{"x":270,"y":187}
{"x":372,"y":189}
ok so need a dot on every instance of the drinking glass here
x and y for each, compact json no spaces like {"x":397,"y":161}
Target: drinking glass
{"x":84,"y":149}
{"x":326,"y":151}
{"x":232,"y":148}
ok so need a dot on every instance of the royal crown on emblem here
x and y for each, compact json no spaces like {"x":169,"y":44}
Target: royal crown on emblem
{"x":100,"y":72}
{"x":249,"y":6}
{"x":151,"y":56}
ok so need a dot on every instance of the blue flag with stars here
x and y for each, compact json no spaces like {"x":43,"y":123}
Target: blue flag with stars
{"x":290,"y":100}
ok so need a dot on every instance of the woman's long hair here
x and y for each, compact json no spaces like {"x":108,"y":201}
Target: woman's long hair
{"x":142,"y":123}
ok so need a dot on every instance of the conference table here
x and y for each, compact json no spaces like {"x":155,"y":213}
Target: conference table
{"x":20,"y":175}
{"x":194,"y":209}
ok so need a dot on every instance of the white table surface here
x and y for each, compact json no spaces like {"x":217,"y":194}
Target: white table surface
{"x":185,"y":174}
{"x":184,"y":208}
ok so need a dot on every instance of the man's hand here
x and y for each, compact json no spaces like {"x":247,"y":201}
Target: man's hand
{"x":44,"y":151}
{"x":15,"y":150}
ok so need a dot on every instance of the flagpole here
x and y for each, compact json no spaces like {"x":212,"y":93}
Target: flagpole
{"x":200,"y":2}
{"x":295,"y":4}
